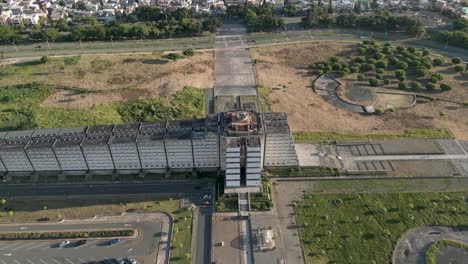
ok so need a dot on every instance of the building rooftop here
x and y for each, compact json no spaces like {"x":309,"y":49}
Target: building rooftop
{"x":50,"y":132}
{"x":150,"y":137}
{"x":37,"y":144}
{"x":100,"y":130}
{"x":122,"y":139}
{"x":19,"y":134}
{"x":73,"y":131}
{"x":67,"y":142}
{"x":129,"y":128}
{"x":179,"y":125}
{"x":91,"y":141}
{"x":151,"y":127}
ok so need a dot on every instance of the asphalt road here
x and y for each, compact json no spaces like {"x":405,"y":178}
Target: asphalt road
{"x":40,"y":251}
{"x":166,"y":188}
{"x":71,"y":48}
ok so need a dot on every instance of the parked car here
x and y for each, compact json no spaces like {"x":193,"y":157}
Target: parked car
{"x":64,"y":243}
{"x":206,"y":196}
{"x":131,"y":260}
{"x":80,"y":242}
{"x":113,"y":241}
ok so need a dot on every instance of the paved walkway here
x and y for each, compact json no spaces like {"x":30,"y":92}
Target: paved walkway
{"x":412,"y":246}
{"x":234,"y":74}
{"x":409,"y":157}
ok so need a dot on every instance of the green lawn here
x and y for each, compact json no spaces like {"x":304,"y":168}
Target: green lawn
{"x":364,"y":228}
{"x":21,"y":108}
{"x":319,"y":136}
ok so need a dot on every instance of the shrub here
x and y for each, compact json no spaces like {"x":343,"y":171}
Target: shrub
{"x":402,"y":78}
{"x":433,"y":80}
{"x":337,"y":66}
{"x":465,"y":103}
{"x":381,"y":64}
{"x":393,"y":60}
{"x":445,"y":87}
{"x":371,"y":61}
{"x":334,"y":59}
{"x":438,"y":76}
{"x":416,"y":86}
{"x":459,"y":68}
{"x":430,"y":86}
{"x":378,"y":56}
{"x":402,"y":86}
{"x":327,"y":68}
{"x":421,"y":71}
{"x":414,"y":63}
{"x":344,"y":72}
{"x":400,"y":48}
{"x":72,"y":60}
{"x":379,"y":71}
{"x":427,"y":64}
{"x":362,"y":50}
{"x":379,"y":111}
{"x":373,"y":82}
{"x":402,"y":65}
{"x":386,"y":81}
{"x":456,"y":60}
{"x":411,"y":49}
{"x":319,"y":72}
{"x":354,"y":69}
{"x":367,"y":67}
{"x":360,"y":77}
{"x":438,"y":61}
{"x":173,"y":56}
{"x":44,"y":59}
{"x":400,"y":73}
{"x":426,"y":53}
{"x":360,"y":59}
{"x":188,"y":52}
{"x":379,"y":76}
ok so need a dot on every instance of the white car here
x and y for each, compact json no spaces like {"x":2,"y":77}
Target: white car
{"x":64,"y":243}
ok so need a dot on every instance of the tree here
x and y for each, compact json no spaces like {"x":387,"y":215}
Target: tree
{"x":80,"y":5}
{"x":188,"y":52}
{"x":445,"y":87}
{"x":416,"y":86}
{"x":421,"y":71}
{"x":360,"y":77}
{"x":430,"y":86}
{"x":400,"y":73}
{"x":402,"y":86}
{"x":373,"y":82}
{"x":211,"y":24}
{"x":3,"y":201}
{"x":456,"y":60}
{"x":187,"y":256}
{"x":44,"y":59}
{"x":10,"y":213}
{"x":438,"y":61}
{"x":50,"y":34}
{"x":402,"y":65}
{"x":7,"y":34}
{"x":459,"y":68}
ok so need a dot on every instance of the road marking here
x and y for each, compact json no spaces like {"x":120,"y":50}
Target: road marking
{"x":9,"y":246}
{"x":87,"y":244}
{"x":69,"y":260}
{"x":37,"y":245}
{"x":56,"y":261}
{"x":16,"y":261}
{"x":3,"y":262}
{"x":82,"y":261}
{"x":43,"y":261}
{"x":29,"y":261}
{"x":27,"y":244}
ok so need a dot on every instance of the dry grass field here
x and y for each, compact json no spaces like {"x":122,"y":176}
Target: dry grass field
{"x":285,"y":70}
{"x":110,"y":78}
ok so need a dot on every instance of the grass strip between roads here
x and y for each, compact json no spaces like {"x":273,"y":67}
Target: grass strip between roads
{"x":316,"y":136}
{"x":434,"y":248}
{"x":67,"y":234}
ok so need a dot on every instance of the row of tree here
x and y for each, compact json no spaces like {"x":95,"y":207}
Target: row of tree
{"x":458,"y":36}
{"x":145,"y":22}
{"x":261,"y":18}
{"x":319,"y":17}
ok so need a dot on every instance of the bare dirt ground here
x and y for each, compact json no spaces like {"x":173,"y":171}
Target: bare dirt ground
{"x":284,"y":68}
{"x":117,"y":77}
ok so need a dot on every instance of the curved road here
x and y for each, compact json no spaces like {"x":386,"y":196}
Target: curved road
{"x":412,"y":246}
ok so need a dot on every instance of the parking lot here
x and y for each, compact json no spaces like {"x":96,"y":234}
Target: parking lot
{"x":144,"y":247}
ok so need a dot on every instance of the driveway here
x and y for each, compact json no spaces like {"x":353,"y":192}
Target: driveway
{"x":412,"y":246}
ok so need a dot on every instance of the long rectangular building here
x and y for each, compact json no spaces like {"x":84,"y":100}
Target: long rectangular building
{"x":239,"y":143}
